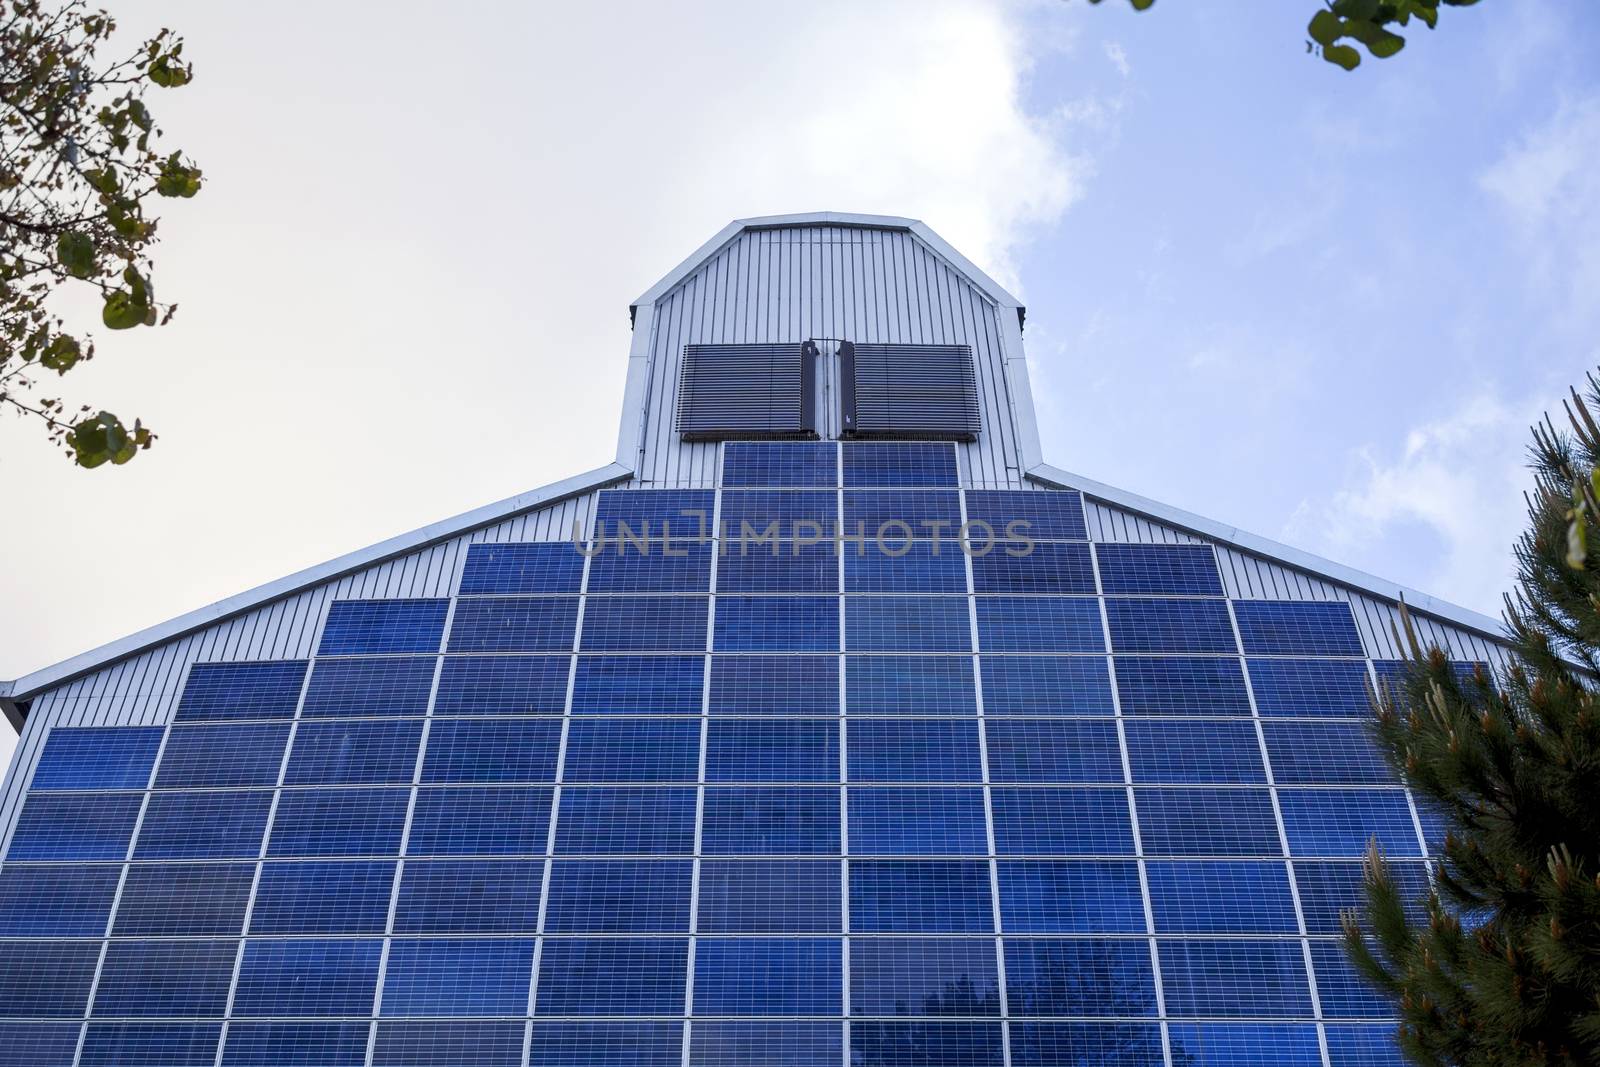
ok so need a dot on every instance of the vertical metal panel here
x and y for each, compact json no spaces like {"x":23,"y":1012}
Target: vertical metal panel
{"x":824,"y":282}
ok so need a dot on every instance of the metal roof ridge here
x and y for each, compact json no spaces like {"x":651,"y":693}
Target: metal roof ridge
{"x":26,"y":686}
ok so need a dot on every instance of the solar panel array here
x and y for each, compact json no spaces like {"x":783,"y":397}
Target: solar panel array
{"x":884,"y":805}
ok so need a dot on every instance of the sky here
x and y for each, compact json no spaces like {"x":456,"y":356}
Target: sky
{"x":1322,"y":307}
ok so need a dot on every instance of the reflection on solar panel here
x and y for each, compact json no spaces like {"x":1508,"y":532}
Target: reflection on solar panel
{"x":806,"y":806}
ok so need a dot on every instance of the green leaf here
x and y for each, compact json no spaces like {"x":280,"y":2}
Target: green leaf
{"x":1342,"y":55}
{"x":168,"y":73}
{"x":1325,"y":28}
{"x":102,"y":438}
{"x":130,"y":307}
{"x":123,"y":214}
{"x":75,"y":251}
{"x":1385,"y":44}
{"x":102,"y":180}
{"x":177,"y":179}
{"x":61,"y":354}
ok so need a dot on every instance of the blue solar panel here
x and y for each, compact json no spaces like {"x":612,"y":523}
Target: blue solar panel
{"x":374,"y":627}
{"x":502,"y":685}
{"x":1039,"y":624}
{"x":615,"y":976}
{"x":620,"y":897}
{"x":645,"y":513}
{"x":1040,"y":516}
{"x":1163,"y":625}
{"x":338,"y":822}
{"x":632,"y":750}
{"x":223,"y":755}
{"x":1195,"y":751}
{"x":656,"y":567}
{"x":150,"y":1044}
{"x":906,"y":567}
{"x":772,"y":751}
{"x":74,"y":827}
{"x":754,"y":520}
{"x":896,"y":463}
{"x":352,"y":753}
{"x":1062,"y":822}
{"x":1207,"y":822}
{"x":1060,"y":751}
{"x":626,"y":821}
{"x":1353,"y":1045}
{"x":1049,"y":567}
{"x":910,"y":685}
{"x":914,"y":750}
{"x":97,"y":758}
{"x":1307,"y":753}
{"x":493,"y":750}
{"x":1234,"y":978}
{"x":769,"y":897}
{"x":907,"y":624}
{"x":788,"y":567}
{"x":183,"y":899}
{"x":458,"y":977}
{"x":1163,"y":570}
{"x":1070,"y":897}
{"x":479,"y":821}
{"x":1297,"y":628}
{"x":308,"y":978}
{"x":265,"y":690}
{"x":924,"y":976}
{"x":774,"y":685}
{"x":645,"y":624}
{"x":741,"y":1042}
{"x":514,"y":624}
{"x":298,"y":1044}
{"x":44,"y":980}
{"x":1046,"y":685}
{"x":920,"y":896}
{"x":1221,"y":898}
{"x":1246,"y":1044}
{"x":38,"y":1044}
{"x":779,"y":463}
{"x":56,"y":901}
{"x":323,"y":898}
{"x":768,"y":976}
{"x":534,"y":567}
{"x":891,"y":516}
{"x":479,"y":1043}
{"x":469,"y":897}
{"x":1113,"y":979}
{"x":773,"y":624}
{"x":948,"y":1044}
{"x":638,"y":685}
{"x":165,"y":978}
{"x":1340,"y":822}
{"x":917,"y":821}
{"x":1310,"y":687}
{"x":1342,"y":991}
{"x":1330,"y":888}
{"x":385,"y":685}
{"x":770,"y":821}
{"x":607,"y":1044}
{"x":203,"y":826}
{"x":1103,"y":1044}
{"x":1163,"y":685}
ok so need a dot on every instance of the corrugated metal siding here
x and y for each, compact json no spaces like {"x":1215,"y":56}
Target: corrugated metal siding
{"x":824,"y":282}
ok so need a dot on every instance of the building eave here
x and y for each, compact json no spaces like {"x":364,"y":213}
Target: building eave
{"x":1272,"y":551}
{"x":15,"y":694}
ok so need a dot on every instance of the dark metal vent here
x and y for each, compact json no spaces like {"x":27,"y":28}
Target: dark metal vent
{"x":747,"y":391}
{"x":915,"y":391}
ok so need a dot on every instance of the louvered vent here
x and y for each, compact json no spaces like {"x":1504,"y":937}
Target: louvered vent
{"x":916,"y":391}
{"x":747,"y":391}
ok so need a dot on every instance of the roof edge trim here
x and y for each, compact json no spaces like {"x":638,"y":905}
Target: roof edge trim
{"x":1273,"y":551}
{"x":25,"y":687}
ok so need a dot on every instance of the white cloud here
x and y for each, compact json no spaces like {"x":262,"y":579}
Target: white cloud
{"x":1459,"y":477}
{"x":1118,"y":57}
{"x":1548,"y":186}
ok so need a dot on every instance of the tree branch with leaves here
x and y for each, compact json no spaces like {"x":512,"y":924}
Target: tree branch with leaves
{"x":1364,"y":22}
{"x":79,"y":173}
